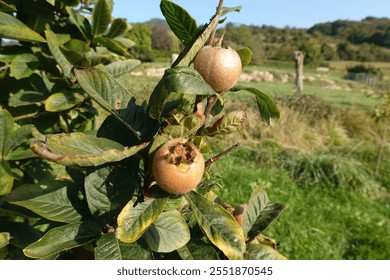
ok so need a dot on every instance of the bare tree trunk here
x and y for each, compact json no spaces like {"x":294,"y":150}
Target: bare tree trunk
{"x":298,"y":57}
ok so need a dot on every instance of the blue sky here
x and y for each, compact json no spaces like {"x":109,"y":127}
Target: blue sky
{"x":280,"y":13}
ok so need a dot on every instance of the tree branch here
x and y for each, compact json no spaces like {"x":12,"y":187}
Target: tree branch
{"x":217,"y":157}
{"x":219,"y":11}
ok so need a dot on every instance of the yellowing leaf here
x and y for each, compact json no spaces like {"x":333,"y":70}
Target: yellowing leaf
{"x":219,"y":226}
{"x":262,"y":252}
{"x":133,"y":221}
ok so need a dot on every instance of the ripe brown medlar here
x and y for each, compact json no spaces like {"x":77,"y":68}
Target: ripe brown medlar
{"x":178,"y":166}
{"x":220,"y":67}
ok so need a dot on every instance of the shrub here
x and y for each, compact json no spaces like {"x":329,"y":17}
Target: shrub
{"x":363,"y":68}
{"x":99,"y":199}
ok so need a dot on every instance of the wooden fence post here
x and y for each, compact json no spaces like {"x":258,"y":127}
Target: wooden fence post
{"x":298,"y":57}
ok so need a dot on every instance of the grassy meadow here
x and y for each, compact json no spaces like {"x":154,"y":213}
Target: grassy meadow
{"x":320,"y":159}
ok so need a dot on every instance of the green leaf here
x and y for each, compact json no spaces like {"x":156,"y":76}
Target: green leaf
{"x":121,"y":67}
{"x":7,"y":127}
{"x":179,"y":20}
{"x":108,"y":188}
{"x":15,"y":139}
{"x":11,"y":137}
{"x":23,"y":66}
{"x":53,"y":44}
{"x":262,"y":252}
{"x":82,"y":149}
{"x":168,"y":233}
{"x":118,"y":28}
{"x":53,"y":200}
{"x":80,"y":22}
{"x":126,"y":42}
{"x":12,"y":28}
{"x":77,"y":46}
{"x":5,"y":7}
{"x":245,"y":56}
{"x":4,"y":239}
{"x":51,"y":2}
{"x":75,"y":58}
{"x":269,"y":112}
{"x":133,"y":221}
{"x":76,"y":52}
{"x":106,"y":91}
{"x":228,"y":124}
{"x":183,"y":80}
{"x":7,"y":58}
{"x":159,"y":140}
{"x":63,"y":238}
{"x":24,"y":98}
{"x":6,"y":178}
{"x":110,"y":248}
{"x":219,"y":226}
{"x":61,"y":101}
{"x":94,"y":59}
{"x":112,"y":45}
{"x":39,"y":14}
{"x":260,"y":213}
{"x":187,"y":127}
{"x":21,"y":152}
{"x":22,"y":234}
{"x":99,"y":189}
{"x":101,"y":16}
{"x":196,"y":43}
{"x":197,"y":249}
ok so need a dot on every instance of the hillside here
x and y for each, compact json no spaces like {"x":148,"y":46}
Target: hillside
{"x":364,"y":40}
{"x":369,"y":30}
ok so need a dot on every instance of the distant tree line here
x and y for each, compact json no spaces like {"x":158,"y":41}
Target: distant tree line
{"x":370,"y":30}
{"x":365,"y":40}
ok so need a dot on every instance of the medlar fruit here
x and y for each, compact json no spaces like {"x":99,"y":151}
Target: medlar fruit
{"x":178,"y":166}
{"x":220,"y":67}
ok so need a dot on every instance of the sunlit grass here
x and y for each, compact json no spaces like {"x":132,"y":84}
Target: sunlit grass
{"x":350,"y":97}
{"x":321,"y":222}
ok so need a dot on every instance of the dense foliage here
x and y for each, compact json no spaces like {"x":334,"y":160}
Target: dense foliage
{"x":77,"y":147}
{"x":370,"y":30}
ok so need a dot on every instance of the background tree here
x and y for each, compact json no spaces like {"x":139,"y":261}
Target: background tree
{"x":328,"y":52}
{"x":141,"y":34}
{"x":311,"y":50}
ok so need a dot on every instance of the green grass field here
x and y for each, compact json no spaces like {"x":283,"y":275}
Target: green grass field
{"x":319,"y":159}
{"x":321,"y":222}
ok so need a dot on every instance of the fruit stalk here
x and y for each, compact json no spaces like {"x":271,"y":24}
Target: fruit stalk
{"x":207,"y":112}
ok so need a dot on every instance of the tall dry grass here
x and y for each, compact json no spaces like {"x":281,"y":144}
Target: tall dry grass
{"x":320,"y":128}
